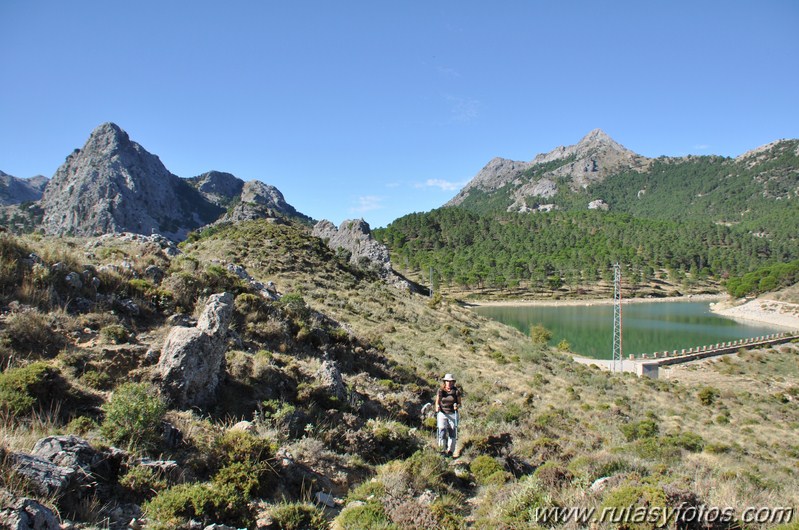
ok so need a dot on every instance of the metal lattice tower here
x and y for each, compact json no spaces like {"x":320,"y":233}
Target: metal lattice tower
{"x":617,"y":361}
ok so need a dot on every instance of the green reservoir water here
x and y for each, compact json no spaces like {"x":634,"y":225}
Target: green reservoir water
{"x":646,"y":326}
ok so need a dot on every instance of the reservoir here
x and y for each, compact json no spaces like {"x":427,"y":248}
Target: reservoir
{"x":647,"y":327}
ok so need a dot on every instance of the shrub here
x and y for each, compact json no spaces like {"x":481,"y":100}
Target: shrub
{"x":640,"y":429}
{"x":540,"y":334}
{"x":21,"y":389}
{"x":142,"y":483}
{"x":298,"y":516}
{"x":369,"y":516}
{"x":133,"y":416}
{"x":707,"y":395}
{"x":521,"y":508}
{"x":689,"y":441}
{"x":114,"y":334}
{"x":484,"y":467}
{"x":242,"y":446}
{"x":552,"y":475}
{"x":626,"y":496}
{"x":173,"y":507}
{"x":31,"y":332}
{"x":81,"y":425}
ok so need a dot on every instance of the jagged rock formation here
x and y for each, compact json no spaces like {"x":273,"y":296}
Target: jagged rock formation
{"x":193,"y":359}
{"x":354,"y":237}
{"x":595,"y":157}
{"x":218,"y":187}
{"x":14,"y":190}
{"x":22,"y":513}
{"x":354,"y":241}
{"x":67,"y":468}
{"x":261,"y":201}
{"x":114,"y":185}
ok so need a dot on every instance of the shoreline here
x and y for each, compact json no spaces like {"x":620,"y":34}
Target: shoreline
{"x":594,"y":301}
{"x":764,"y":311}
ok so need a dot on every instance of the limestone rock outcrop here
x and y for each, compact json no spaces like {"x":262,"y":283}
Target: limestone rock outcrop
{"x":259,"y":200}
{"x":192,"y":360}
{"x":591,"y":160}
{"x":355,"y":237}
{"x":14,"y":190}
{"x":22,"y":513}
{"x":114,"y":185}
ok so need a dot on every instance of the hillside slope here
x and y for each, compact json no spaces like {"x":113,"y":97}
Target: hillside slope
{"x":537,"y":429}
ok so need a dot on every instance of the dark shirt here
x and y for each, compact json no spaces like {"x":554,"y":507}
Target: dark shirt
{"x":447,"y":400}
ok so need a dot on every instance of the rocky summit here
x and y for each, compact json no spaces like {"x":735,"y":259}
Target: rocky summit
{"x":114,"y":185}
{"x":15,"y":190}
{"x":592,"y":159}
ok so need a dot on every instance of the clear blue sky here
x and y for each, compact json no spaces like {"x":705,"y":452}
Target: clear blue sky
{"x":377,"y":109}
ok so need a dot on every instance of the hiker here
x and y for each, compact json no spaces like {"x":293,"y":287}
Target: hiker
{"x":448,"y":402}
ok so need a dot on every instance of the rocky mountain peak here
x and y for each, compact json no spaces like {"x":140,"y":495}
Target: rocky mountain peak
{"x":218,"y":187}
{"x":590,"y":160}
{"x":114,"y":185}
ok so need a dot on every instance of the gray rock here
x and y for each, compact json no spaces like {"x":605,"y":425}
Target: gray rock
{"x":589,"y":161}
{"x":330,"y":377}
{"x":114,"y":185}
{"x":192,"y":360}
{"x":156,"y":274}
{"x":355,"y":237}
{"x":127,"y":306}
{"x":21,"y":513}
{"x":73,"y":280}
{"x":15,"y":190}
{"x":44,"y":477}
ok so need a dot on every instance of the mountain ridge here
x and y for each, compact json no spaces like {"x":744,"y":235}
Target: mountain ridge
{"x":113,"y":184}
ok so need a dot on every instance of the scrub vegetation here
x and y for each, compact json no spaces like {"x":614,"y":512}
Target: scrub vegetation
{"x":538,"y":430}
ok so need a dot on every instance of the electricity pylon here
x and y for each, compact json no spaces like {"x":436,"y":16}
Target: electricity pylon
{"x":617,"y":361}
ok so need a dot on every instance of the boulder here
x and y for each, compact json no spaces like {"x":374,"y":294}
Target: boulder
{"x":330,"y":377}
{"x":21,"y":513}
{"x":192,"y":360}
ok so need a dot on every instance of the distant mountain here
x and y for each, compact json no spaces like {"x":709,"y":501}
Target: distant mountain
{"x":566,"y":216}
{"x":572,"y":168}
{"x":114,"y":185}
{"x":15,"y":190}
{"x":598,"y":172}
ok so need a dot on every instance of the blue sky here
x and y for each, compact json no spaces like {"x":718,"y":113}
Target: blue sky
{"x":371,"y":109}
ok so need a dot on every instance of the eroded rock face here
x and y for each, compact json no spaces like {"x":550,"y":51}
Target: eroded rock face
{"x":114,"y":185}
{"x":591,"y":160}
{"x":330,"y":377}
{"x":21,"y":513}
{"x":192,"y":360}
{"x":355,"y":237}
{"x":68,"y":468}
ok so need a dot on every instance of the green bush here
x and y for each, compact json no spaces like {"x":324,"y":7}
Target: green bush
{"x":142,"y":483}
{"x":369,"y":516}
{"x":242,"y":446}
{"x":299,"y":516}
{"x":552,"y":475}
{"x":483,"y":467}
{"x":540,"y":334}
{"x":640,"y":429}
{"x":81,"y":425}
{"x":636,"y":496}
{"x":133,"y":416}
{"x":707,"y":395}
{"x":21,"y":389}
{"x":175,"y":506}
{"x":114,"y":334}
